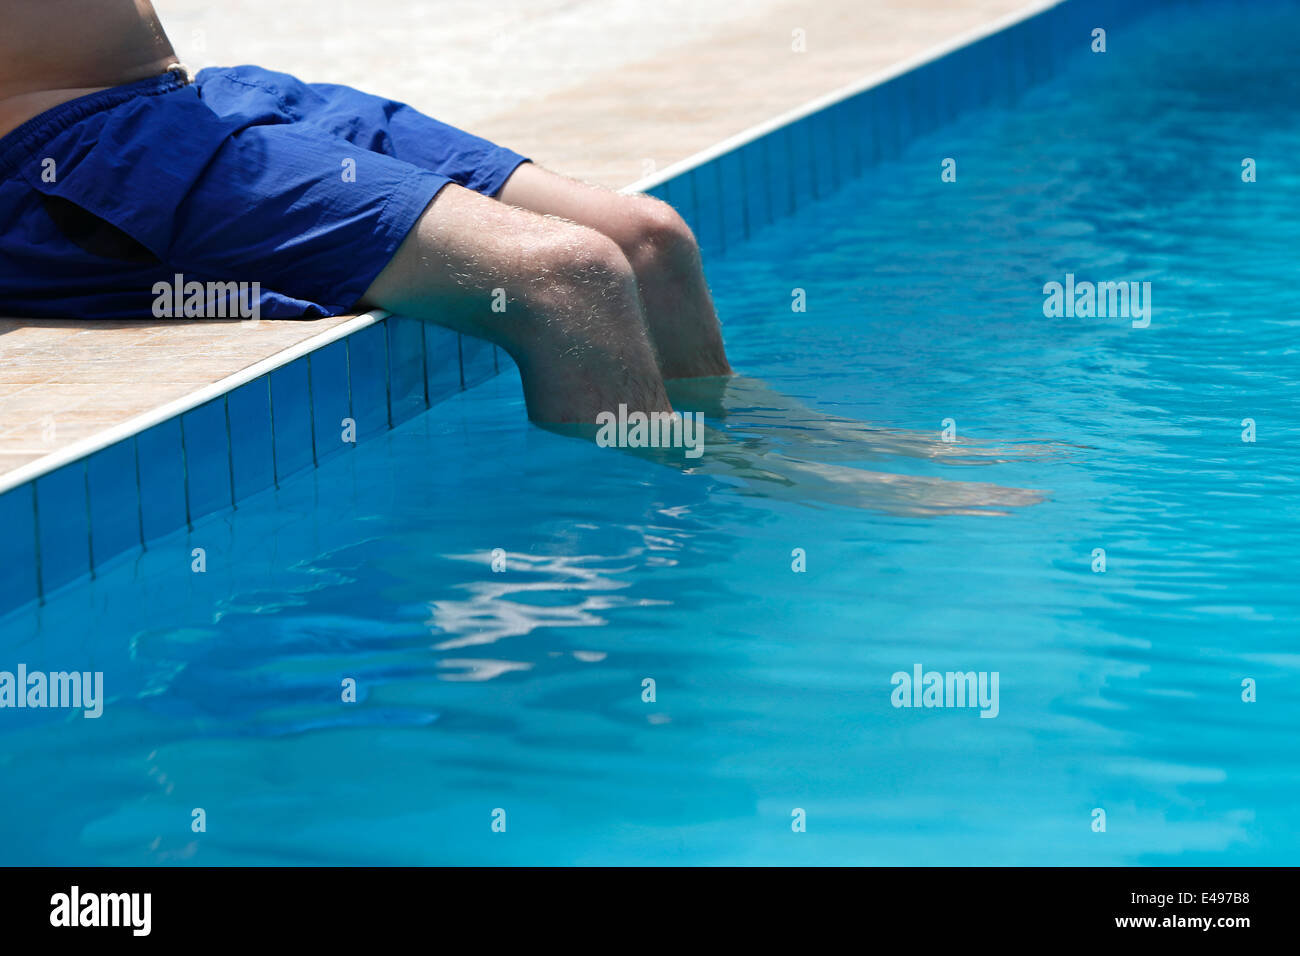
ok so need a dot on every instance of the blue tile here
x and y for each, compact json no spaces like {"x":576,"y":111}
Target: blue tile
{"x":405,"y":368}
{"x":845,"y":134}
{"x":18,"y":583}
{"x":114,"y":502}
{"x":62,"y":527}
{"x":801,"y":162}
{"x":1007,"y":53}
{"x":330,"y":399}
{"x":1061,"y":37}
{"x":947,"y":91}
{"x":291,"y":419}
{"x":207,"y":458}
{"x":441,"y":362}
{"x":754,"y":184}
{"x":1039,"y":50}
{"x":1047,"y":34}
{"x":974,"y":71}
{"x":936,"y":92}
{"x":823,"y":150}
{"x":864,"y":141}
{"x":912,"y":119}
{"x":1030,"y":58}
{"x":780,"y":173}
{"x":1021,"y":56}
{"x":252,"y":454}
{"x":1068,"y":29}
{"x":967,"y":80}
{"x":731,"y":196}
{"x":368,"y":369}
{"x":903,"y":92}
{"x":884,"y":130}
{"x":960,"y":90}
{"x":909,"y":125}
{"x":162,"y":479}
{"x":476,"y":360}
{"x":708,"y":206}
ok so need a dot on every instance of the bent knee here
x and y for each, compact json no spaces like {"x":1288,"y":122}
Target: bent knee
{"x":654,"y":231}
{"x":571,"y":258}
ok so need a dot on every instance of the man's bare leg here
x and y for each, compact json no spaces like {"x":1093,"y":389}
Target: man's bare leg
{"x":572,"y":322}
{"x":678,"y":308}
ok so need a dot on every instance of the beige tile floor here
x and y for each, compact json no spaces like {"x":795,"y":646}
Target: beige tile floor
{"x":604,"y":90}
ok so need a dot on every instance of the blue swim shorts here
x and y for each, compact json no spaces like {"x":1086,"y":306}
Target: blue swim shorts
{"x":244,"y":176}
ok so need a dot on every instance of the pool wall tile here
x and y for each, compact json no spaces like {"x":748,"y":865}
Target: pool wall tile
{"x":329,"y":398}
{"x":803,"y":168}
{"x":904,"y":110}
{"x":868,"y":150}
{"x":442,"y":361}
{"x":960,"y":92}
{"x":368,"y":378}
{"x":406,"y":379}
{"x":252,"y":454}
{"x":291,"y":419}
{"x":780,"y":164}
{"x":708,"y":208}
{"x":844,"y":133}
{"x":887,"y":111}
{"x":822,"y":132}
{"x":943,"y":91}
{"x":207,"y":459}
{"x":900,"y":113}
{"x":114,"y":502}
{"x":19,"y":583}
{"x":731,"y":186}
{"x":1039,"y":53}
{"x":1022,"y":56}
{"x":162,"y":479}
{"x":477,"y":362}
{"x":918,"y":87}
{"x":754,"y":185}
{"x":981,"y":83}
{"x":956,"y":95}
{"x":63,"y":530}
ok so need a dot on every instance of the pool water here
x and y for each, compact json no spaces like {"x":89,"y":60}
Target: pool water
{"x":521,"y":690}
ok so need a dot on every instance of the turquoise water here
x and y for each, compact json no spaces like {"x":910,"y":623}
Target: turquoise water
{"x":522,"y":690}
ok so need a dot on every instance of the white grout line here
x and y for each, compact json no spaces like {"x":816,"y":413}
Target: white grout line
{"x":155,"y":416}
{"x":843,"y":93}
{"x":133,"y":426}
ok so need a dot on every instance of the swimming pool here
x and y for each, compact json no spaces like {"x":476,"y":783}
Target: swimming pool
{"x":522,"y":690}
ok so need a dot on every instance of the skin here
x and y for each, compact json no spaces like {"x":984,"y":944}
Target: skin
{"x":52,"y":51}
{"x":607,"y":302}
{"x":606,"y":298}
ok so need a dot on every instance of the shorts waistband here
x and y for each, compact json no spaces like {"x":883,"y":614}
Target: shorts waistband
{"x":45,"y":126}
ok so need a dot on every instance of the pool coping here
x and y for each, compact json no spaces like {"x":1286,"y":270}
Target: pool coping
{"x":909,"y":99}
{"x":816,"y":105}
{"x":179,"y":406}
